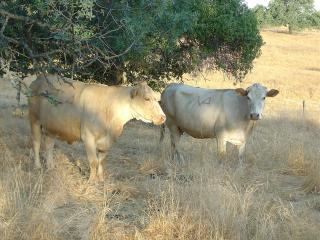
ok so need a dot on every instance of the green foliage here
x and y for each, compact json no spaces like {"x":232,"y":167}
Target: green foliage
{"x":263,"y":16}
{"x":314,"y":20}
{"x":291,"y":13}
{"x":147,"y":39}
{"x":295,"y":14}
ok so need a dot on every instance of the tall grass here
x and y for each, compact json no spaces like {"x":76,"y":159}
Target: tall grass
{"x":146,"y":196}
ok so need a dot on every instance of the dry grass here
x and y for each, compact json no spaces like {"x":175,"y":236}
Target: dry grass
{"x":289,"y":63}
{"x":145,"y":196}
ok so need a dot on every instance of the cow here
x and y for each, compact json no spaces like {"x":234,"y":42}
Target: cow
{"x":228,"y":115}
{"x":92,"y":113}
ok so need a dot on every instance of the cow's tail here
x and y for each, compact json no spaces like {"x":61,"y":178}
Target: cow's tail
{"x":162,"y":131}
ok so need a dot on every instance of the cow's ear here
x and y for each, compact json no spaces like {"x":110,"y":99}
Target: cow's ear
{"x":272,"y":93}
{"x":134,"y":92}
{"x":241,"y":91}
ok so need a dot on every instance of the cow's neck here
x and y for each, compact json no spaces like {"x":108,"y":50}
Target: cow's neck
{"x":125,"y":113}
{"x":120,"y":110}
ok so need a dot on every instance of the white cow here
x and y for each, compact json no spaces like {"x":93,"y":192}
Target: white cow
{"x":225,"y":114}
{"x":92,"y":113}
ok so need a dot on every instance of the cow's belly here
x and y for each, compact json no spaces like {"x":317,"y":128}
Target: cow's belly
{"x":64,"y":135}
{"x":198,"y":133}
{"x":198,"y":128}
{"x":197,"y":120}
{"x":61,"y":121}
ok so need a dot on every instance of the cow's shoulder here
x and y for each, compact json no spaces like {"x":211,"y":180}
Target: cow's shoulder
{"x":232,"y":95}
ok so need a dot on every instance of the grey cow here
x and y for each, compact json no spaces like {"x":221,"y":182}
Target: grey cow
{"x":225,"y":114}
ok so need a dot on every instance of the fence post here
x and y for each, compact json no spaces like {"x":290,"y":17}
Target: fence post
{"x":303,"y":111}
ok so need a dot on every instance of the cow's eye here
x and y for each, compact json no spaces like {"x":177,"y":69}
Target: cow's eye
{"x":248,"y":98}
{"x":147,"y":99}
{"x":263,"y":98}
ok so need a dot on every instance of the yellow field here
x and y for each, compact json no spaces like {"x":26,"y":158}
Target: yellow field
{"x":290,"y":63}
{"x":146,"y":196}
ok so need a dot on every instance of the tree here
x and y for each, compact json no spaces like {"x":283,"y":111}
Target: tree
{"x":263,"y":15}
{"x":291,"y":13}
{"x":146,"y":39}
{"x":314,"y":19}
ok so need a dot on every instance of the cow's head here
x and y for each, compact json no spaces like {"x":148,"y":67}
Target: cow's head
{"x":256,"y":94}
{"x":145,"y":104}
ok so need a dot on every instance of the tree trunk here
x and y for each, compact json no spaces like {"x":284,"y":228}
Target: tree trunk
{"x":290,"y":29}
{"x":116,"y":76}
{"x":121,"y":76}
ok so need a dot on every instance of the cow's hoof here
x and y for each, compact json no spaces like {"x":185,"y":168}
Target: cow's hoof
{"x":49,"y":169}
{"x":93,"y":180}
{"x":179,"y":159}
{"x":38,"y":170}
{"x":242,"y":169}
{"x":101,"y":179}
{"x":37,"y":167}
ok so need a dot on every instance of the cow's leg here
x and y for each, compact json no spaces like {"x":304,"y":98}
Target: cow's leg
{"x":241,"y":155}
{"x":49,"y":145}
{"x":175,"y":135}
{"x":222,"y":148}
{"x":103,"y":146}
{"x":36,"y":141}
{"x":101,"y":158}
{"x":90,"y":146}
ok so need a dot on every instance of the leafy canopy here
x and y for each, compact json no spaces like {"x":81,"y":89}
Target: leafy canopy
{"x":295,"y":14}
{"x":146,"y":39}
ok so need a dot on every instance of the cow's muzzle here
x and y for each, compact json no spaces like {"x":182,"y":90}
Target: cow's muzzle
{"x":255,"y":116}
{"x":159,"y":120}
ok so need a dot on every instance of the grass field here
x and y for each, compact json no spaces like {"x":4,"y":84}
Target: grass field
{"x":146,"y":196}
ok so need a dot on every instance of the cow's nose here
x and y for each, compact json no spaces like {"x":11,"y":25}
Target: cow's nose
{"x":159,"y":120}
{"x":254,"y":116}
{"x":163,"y":118}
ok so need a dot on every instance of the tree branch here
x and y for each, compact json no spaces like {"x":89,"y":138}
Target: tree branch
{"x":25,"y":19}
{"x":4,"y":25}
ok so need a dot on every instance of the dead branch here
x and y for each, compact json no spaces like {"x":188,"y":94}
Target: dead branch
{"x":25,"y":19}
